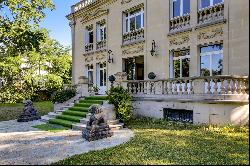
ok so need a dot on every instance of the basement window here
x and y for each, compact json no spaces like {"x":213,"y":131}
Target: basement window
{"x":178,"y":115}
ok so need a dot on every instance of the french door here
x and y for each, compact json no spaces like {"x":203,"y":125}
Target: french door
{"x":102,"y":78}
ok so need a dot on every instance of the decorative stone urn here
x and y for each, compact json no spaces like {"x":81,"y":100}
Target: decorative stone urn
{"x":97,"y":127}
{"x":29,"y":113}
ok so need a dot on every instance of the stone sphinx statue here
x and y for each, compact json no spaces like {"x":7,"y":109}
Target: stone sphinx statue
{"x":97,"y":127}
{"x":29,"y":112}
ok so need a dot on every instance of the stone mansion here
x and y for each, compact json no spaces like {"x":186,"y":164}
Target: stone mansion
{"x":196,"y":51}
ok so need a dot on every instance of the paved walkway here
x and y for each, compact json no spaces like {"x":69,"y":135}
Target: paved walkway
{"x":23,"y":145}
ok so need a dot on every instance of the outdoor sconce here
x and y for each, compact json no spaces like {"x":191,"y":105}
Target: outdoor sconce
{"x":153,"y":48}
{"x":110,"y":60}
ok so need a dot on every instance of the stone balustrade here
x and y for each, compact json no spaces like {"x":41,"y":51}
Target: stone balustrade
{"x":214,"y":87}
{"x":179,"y":23}
{"x":89,"y":47}
{"x":211,"y":13}
{"x":82,"y":4}
{"x":133,"y":36}
{"x":101,"y":45}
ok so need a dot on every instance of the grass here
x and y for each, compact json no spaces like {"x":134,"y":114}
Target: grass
{"x":51,"y":127}
{"x":159,"y":142}
{"x":62,"y":122}
{"x":13,"y":111}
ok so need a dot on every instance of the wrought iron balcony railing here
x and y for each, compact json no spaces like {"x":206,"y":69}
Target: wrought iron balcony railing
{"x":89,"y":47}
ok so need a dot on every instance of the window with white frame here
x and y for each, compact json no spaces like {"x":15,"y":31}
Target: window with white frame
{"x":89,"y":36}
{"x":90,"y":74}
{"x":101,"y":32}
{"x":211,"y":60}
{"x":179,"y":63}
{"x":133,"y":20}
{"x":207,"y":3}
{"x":179,"y":7}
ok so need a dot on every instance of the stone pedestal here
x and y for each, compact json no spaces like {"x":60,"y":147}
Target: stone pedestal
{"x":92,"y":133}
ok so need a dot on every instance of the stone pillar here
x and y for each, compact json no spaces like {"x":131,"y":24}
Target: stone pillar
{"x":199,"y":86}
{"x":194,"y":53}
{"x":82,"y":87}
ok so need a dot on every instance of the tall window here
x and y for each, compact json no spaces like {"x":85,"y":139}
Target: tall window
{"x":180,"y":62}
{"x":89,"y":36}
{"x":134,"y":20}
{"x":180,"y":7}
{"x":207,"y":3}
{"x":90,"y":74}
{"x":101,"y":32}
{"x":211,"y":60}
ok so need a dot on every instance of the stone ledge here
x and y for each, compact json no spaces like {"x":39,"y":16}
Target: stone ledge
{"x":204,"y":25}
{"x":209,"y":101}
{"x":189,"y":29}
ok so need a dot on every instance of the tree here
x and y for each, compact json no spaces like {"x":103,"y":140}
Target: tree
{"x":19,"y":29}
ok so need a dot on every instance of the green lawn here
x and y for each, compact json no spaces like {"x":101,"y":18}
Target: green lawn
{"x":51,"y":127}
{"x":159,"y":142}
{"x":12,"y":111}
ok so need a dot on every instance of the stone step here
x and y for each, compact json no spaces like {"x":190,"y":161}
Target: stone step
{"x":84,"y":120}
{"x":80,"y":126}
{"x":53,"y":114}
{"x":45,"y":118}
{"x":60,"y":111}
{"x":67,"y":106}
{"x":113,"y":122}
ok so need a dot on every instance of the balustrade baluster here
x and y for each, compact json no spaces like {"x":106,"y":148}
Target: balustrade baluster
{"x":229,"y":87}
{"x":166,"y":87}
{"x":175,"y":88}
{"x":209,"y":86}
{"x":216,"y":86}
{"x":185,"y":87}
{"x":235,"y":87}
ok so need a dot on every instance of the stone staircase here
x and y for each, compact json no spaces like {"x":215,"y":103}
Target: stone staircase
{"x":75,"y":115}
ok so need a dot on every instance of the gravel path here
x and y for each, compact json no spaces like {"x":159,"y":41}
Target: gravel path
{"x":20,"y":144}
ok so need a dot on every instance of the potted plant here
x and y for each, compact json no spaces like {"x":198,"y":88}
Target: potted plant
{"x":151,"y":76}
{"x":96,"y":89}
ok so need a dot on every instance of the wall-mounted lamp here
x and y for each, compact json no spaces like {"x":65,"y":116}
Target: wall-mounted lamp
{"x":153,"y":48}
{"x":110,"y":59}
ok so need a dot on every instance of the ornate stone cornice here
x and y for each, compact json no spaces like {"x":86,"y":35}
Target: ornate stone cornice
{"x":134,"y":50}
{"x":100,"y":57}
{"x":90,"y":8}
{"x":125,"y":1}
{"x":179,"y":40}
{"x":89,"y":59}
{"x":94,"y":14}
{"x":134,"y":8}
{"x":215,"y":32}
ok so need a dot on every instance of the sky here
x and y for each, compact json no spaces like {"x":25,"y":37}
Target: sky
{"x":57,"y":23}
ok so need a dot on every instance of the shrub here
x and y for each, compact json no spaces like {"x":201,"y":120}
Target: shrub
{"x":63,"y":95}
{"x":122,"y":102}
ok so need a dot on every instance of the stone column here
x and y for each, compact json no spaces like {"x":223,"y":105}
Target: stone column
{"x":194,"y":53}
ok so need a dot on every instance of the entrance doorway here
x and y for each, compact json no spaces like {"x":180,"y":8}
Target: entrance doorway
{"x":134,"y":67}
{"x":101,"y":78}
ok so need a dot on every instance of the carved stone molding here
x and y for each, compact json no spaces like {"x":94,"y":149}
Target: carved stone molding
{"x":125,"y":1}
{"x":89,"y":59}
{"x":216,"y":32}
{"x":100,"y":57}
{"x":179,"y":40}
{"x":94,"y":14}
{"x":133,"y":50}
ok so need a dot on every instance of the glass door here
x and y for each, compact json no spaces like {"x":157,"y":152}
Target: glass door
{"x":102,"y":78}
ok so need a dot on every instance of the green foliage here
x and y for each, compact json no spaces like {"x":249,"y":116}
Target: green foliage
{"x":122,"y":102}
{"x":158,"y":142}
{"x":63,"y":95}
{"x":19,"y":20}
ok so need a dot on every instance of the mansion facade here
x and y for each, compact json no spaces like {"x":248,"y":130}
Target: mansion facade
{"x":198,"y":51}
